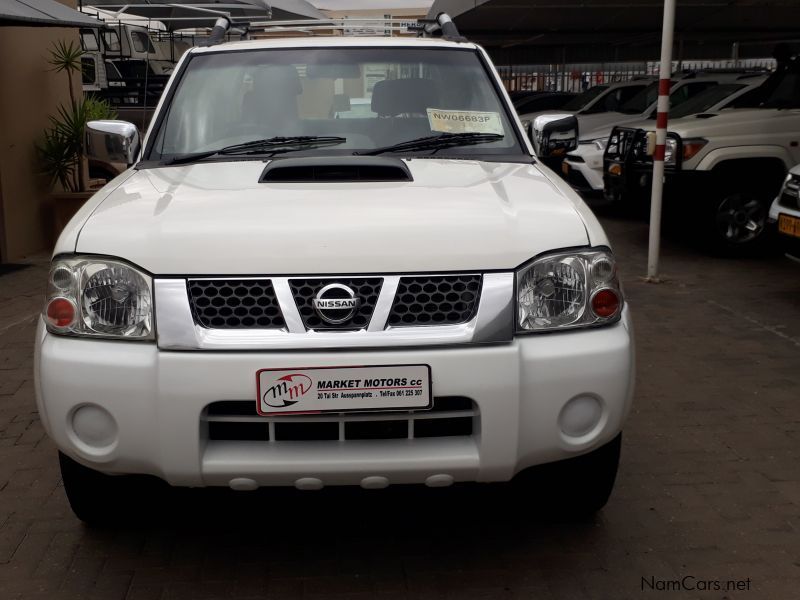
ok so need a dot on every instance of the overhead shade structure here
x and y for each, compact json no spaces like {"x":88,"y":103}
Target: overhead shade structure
{"x":43,"y":13}
{"x":596,"y":30}
{"x":189,"y":14}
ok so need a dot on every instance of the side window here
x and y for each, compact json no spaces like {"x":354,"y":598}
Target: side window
{"x":141,"y":42}
{"x":88,"y":70}
{"x":628,"y":92}
{"x":612,"y":100}
{"x":111,"y":41}
{"x":685,"y":92}
{"x":88,"y":40}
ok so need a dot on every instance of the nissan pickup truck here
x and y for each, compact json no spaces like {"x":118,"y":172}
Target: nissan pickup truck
{"x":271,"y":296}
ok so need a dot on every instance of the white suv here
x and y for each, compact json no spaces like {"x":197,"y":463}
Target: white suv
{"x":271,"y":296}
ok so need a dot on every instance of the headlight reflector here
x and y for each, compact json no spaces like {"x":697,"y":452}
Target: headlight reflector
{"x":568,"y":289}
{"x":108,"y":298}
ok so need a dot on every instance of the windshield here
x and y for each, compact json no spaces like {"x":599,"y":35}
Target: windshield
{"x":585,"y":98}
{"x":705,"y":100}
{"x":371,"y":97}
{"x":785,"y":92}
{"x":641,"y":101}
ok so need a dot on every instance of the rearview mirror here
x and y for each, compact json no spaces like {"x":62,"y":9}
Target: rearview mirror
{"x":554,"y":135}
{"x":112,"y":141}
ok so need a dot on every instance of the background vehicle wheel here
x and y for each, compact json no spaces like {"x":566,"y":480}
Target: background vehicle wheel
{"x":577,"y":486}
{"x":94,"y":497}
{"x":740,"y":224}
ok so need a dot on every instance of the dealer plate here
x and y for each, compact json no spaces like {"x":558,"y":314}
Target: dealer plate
{"x":341,"y":389}
{"x":789,"y":225}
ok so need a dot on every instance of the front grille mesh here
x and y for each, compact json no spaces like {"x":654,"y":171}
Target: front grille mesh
{"x":252,"y":303}
{"x":435,"y":300}
{"x":366,"y":289}
{"x":238,"y":420}
{"x":235,"y":303}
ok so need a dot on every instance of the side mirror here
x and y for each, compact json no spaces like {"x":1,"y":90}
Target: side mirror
{"x":112,"y":141}
{"x":554,"y":135}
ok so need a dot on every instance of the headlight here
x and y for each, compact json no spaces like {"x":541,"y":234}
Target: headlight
{"x":99,"y":297}
{"x":600,"y":143}
{"x":567,"y":290}
{"x":671,"y":151}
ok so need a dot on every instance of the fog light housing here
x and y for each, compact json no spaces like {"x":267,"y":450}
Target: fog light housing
{"x":94,"y":427}
{"x":580,"y":415}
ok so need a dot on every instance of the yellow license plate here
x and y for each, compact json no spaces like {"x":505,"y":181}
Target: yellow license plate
{"x":565,"y":168}
{"x":789,"y":225}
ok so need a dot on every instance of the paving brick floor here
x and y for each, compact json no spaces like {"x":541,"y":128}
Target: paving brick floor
{"x":709,"y":485}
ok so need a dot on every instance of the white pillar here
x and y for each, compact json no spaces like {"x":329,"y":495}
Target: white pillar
{"x":657,"y":192}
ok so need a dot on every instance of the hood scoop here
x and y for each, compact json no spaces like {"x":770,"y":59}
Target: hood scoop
{"x":331,"y":169}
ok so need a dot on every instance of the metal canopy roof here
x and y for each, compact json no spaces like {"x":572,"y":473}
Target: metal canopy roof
{"x":618,"y":29}
{"x":187,"y":14}
{"x":43,"y":13}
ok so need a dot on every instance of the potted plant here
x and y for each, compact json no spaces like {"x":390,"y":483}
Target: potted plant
{"x":61,"y":151}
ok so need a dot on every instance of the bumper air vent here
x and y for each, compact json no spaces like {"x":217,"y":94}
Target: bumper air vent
{"x":237,"y":420}
{"x":335,"y":169}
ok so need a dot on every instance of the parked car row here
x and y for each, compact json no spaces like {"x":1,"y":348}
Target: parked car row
{"x":732,"y":139}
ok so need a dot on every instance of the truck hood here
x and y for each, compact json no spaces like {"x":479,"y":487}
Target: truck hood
{"x":736,"y":122}
{"x":215,"y":218}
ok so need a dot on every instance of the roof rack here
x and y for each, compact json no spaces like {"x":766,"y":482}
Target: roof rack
{"x":442,"y":23}
{"x":364,"y":25}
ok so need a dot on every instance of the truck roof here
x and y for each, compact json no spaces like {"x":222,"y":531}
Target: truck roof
{"x":337,"y":41}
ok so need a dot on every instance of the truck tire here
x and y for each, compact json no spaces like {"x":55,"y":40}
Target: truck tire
{"x":96,"y":498}
{"x":576,"y":487}
{"x":738,"y":207}
{"x":740,"y":223}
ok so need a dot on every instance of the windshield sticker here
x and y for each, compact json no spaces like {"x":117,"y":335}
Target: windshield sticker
{"x":464,"y":121}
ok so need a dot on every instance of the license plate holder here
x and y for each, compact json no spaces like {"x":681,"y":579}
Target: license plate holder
{"x":789,"y":225}
{"x":314,"y":390}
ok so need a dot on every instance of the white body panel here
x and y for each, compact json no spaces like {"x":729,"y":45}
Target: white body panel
{"x":455,"y":215}
{"x":216,"y":219}
{"x":157,"y":398}
{"x":742,"y":133}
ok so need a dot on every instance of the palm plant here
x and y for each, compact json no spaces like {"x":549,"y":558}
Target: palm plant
{"x":61,"y":151}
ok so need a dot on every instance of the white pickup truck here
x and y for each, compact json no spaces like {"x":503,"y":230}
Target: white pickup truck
{"x":271,"y":296}
{"x":723,"y":168}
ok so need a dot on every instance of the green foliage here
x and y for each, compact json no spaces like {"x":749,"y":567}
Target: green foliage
{"x":62,"y":147}
{"x":66,"y":57}
{"x":97,"y":109}
{"x":57,"y":159}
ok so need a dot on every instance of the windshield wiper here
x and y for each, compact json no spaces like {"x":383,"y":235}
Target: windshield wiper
{"x":271,"y":145}
{"x":436,"y":142}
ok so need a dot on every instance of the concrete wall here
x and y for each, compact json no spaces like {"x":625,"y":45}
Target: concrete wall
{"x":29,"y":93}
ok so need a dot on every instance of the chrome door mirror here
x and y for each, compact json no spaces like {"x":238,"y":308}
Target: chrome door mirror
{"x":554,"y":135}
{"x":112,"y":141}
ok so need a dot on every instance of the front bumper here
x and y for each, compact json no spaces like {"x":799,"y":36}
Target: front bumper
{"x":157,"y":398}
{"x":584,"y":168}
{"x":789,"y":243}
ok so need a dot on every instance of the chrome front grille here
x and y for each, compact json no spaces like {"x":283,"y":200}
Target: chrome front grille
{"x":366,"y":290}
{"x":237,"y":420}
{"x":435,"y":300}
{"x":235,"y":303}
{"x":272,"y":313}
{"x":790,"y":195}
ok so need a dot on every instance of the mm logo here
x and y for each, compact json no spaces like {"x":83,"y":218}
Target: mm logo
{"x":287,"y":390}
